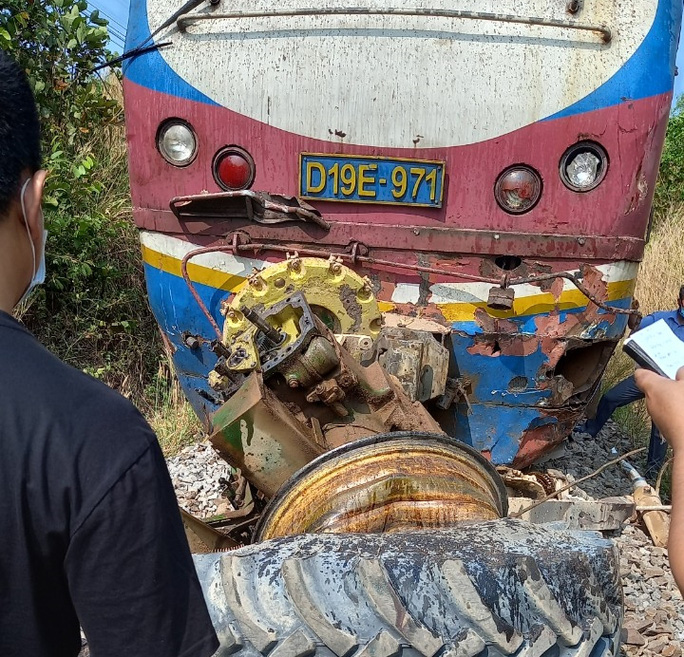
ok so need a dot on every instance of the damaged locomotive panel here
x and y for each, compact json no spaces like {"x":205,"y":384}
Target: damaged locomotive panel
{"x":511,"y":383}
{"x":535,"y":372}
{"x":275,"y":424}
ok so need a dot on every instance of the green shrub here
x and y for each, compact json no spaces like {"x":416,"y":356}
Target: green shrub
{"x":670,"y":187}
{"x":92,"y":311}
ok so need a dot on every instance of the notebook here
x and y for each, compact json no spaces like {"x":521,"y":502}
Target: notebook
{"x":656,"y":348}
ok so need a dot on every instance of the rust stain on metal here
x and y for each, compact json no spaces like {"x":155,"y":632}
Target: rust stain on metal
{"x":496,"y":344}
{"x":491,"y":324}
{"x":540,"y":439}
{"x":408,"y":482}
{"x":351,"y":304}
{"x":556,"y":288}
{"x":255,"y":432}
{"x":555,"y":335}
{"x":593,"y":281}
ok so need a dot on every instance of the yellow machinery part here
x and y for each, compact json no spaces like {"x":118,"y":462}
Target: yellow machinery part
{"x":342,"y":299}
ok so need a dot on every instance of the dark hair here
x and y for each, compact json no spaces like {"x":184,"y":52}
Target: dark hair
{"x":19,"y":130}
{"x":681,"y":292}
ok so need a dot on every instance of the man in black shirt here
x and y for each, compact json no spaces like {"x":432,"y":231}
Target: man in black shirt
{"x":90,"y":531}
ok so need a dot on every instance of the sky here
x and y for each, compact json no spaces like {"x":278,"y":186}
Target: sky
{"x":116,"y":11}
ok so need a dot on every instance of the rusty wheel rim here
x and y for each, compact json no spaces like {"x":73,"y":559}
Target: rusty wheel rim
{"x":387,"y":483}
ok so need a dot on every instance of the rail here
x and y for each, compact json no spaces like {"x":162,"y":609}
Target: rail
{"x":603,"y":30}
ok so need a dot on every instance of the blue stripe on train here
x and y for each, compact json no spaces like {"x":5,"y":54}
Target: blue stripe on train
{"x":491,"y":375}
{"x":495,"y":422}
{"x":649,"y":72}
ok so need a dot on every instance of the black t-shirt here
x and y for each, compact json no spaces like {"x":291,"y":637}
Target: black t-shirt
{"x":89,"y":525}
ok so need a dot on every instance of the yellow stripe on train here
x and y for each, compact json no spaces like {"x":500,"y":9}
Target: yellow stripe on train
{"x":536,"y":303}
{"x":453,"y":312}
{"x":198,"y":274}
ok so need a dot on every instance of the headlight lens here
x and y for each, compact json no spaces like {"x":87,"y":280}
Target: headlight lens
{"x":234,"y":168}
{"x":583,"y":166}
{"x":518,"y":189}
{"x":177,"y":143}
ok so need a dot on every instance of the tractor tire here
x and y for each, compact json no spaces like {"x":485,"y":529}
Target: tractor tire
{"x":503,"y":587}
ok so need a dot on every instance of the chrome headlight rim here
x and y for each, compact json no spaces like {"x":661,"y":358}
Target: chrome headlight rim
{"x":503,"y":179}
{"x":163,"y":130}
{"x":585,"y":146}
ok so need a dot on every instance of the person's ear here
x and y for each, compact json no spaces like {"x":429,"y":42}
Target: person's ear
{"x":33,"y":198}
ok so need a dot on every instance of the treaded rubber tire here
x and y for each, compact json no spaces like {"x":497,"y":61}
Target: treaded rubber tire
{"x":503,"y":587}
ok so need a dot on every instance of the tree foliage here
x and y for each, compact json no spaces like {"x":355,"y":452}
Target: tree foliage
{"x":58,"y":45}
{"x":92,"y":310}
{"x":670,"y":189}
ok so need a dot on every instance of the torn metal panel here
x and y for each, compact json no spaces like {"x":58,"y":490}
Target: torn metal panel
{"x":260,"y":207}
{"x":559,"y":355}
{"x":255,"y":432}
{"x":417,"y":359}
{"x":607,"y":514}
{"x":544,"y":433}
{"x":516,"y":434}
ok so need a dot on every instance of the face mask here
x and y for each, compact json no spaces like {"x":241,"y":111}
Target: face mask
{"x":680,"y":310}
{"x":39,"y":274}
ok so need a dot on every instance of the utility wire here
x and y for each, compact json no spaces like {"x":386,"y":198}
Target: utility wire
{"x":109,"y":17}
{"x":110,"y":26}
{"x":104,"y":10}
{"x":134,"y":52}
{"x":114,"y":28}
{"x":114,"y":34}
{"x":579,"y":481}
{"x":142,"y":47}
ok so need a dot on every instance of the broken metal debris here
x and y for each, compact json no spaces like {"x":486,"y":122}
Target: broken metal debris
{"x":606,"y":514}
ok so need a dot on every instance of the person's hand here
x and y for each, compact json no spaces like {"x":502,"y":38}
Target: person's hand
{"x":665,"y":402}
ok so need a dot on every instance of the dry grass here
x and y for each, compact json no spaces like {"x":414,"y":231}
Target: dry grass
{"x":660,"y":276}
{"x":170,"y":415}
{"x":162,"y":401}
{"x":175,"y":424}
{"x":662,"y":271}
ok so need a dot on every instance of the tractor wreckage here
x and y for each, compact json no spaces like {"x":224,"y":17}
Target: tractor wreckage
{"x":329,"y":414}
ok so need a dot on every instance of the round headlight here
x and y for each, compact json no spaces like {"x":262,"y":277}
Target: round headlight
{"x":177,"y":143}
{"x":518,"y":189}
{"x":583,"y":166}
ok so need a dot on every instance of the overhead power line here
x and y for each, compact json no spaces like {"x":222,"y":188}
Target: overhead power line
{"x":113,"y":23}
{"x":113,"y":29}
{"x":114,"y":34}
{"x":107,"y":13}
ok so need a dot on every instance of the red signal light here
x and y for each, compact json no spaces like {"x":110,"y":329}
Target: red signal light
{"x":234,"y":168}
{"x":518,"y":189}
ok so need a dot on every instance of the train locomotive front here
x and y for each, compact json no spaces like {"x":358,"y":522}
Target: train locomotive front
{"x":489,"y":171}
